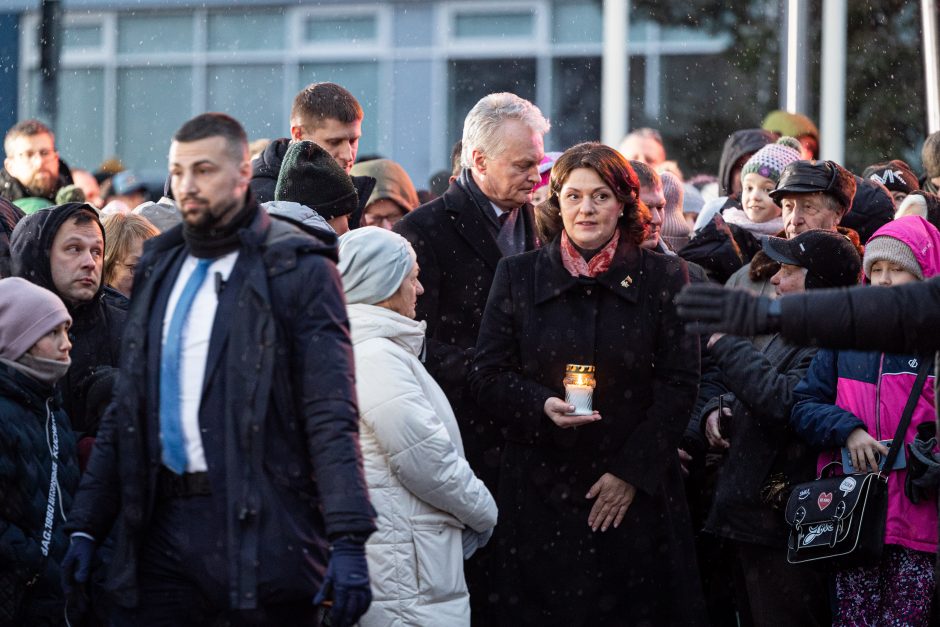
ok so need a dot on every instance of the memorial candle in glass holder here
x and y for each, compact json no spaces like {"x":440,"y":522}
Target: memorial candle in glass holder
{"x":579,"y":388}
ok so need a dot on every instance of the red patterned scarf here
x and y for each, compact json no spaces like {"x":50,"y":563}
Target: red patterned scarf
{"x":575,"y":263}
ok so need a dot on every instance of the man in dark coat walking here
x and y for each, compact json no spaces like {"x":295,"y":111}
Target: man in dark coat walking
{"x":229,"y":456}
{"x":459,"y":238}
{"x":330,"y":116}
{"x":62,"y":249}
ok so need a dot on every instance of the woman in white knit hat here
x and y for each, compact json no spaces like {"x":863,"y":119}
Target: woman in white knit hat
{"x":433,"y":512}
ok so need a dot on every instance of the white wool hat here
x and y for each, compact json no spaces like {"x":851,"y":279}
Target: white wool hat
{"x":373,"y":263}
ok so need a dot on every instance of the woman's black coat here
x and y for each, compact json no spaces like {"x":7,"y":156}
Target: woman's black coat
{"x":553,"y":568}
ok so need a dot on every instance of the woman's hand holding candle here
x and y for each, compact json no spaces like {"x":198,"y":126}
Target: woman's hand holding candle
{"x":560,"y":413}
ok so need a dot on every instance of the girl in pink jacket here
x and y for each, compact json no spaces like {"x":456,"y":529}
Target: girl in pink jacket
{"x":855,"y":400}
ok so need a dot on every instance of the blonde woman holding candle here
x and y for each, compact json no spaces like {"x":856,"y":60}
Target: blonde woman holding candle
{"x":593,"y":525}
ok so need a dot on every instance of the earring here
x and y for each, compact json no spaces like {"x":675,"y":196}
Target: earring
{"x":621,"y":214}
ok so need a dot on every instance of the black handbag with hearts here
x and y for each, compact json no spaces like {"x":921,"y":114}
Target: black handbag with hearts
{"x":839,"y":522}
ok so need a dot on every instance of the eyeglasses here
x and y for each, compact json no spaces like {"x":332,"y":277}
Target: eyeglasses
{"x":374,"y":220}
{"x":29,"y":155}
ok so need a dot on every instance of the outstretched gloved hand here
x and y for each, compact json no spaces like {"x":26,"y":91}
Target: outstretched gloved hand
{"x":711,"y":309}
{"x":346,"y":582}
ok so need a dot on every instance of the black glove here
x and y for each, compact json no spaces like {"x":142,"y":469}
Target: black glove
{"x":347,"y":580}
{"x":77,"y":564}
{"x":923,"y":464}
{"x":714,"y":309}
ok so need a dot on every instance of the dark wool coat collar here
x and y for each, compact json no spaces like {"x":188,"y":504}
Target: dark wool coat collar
{"x":470,"y":225}
{"x":552,"y":279}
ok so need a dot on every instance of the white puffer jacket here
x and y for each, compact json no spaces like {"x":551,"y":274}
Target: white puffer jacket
{"x":422,"y":488}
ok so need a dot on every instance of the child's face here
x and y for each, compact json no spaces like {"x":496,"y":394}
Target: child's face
{"x":758,"y":205}
{"x":885,"y":274}
{"x":540,"y":195}
{"x":53,"y":345}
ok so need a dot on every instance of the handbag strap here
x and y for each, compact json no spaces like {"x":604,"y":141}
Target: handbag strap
{"x":907,"y":415}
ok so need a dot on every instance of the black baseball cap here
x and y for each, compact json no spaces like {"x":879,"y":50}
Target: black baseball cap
{"x":808,"y":177}
{"x":830,"y":257}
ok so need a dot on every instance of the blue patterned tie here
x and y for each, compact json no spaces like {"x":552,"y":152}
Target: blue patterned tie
{"x":171,"y":426}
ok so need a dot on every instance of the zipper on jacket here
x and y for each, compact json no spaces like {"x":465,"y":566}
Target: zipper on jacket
{"x":881,"y":365}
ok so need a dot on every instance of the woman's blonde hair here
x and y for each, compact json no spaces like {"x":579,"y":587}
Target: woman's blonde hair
{"x":616,"y":173}
{"x":120,"y":232}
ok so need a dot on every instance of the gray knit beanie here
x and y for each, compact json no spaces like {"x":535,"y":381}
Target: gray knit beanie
{"x":885,"y":248}
{"x":373,"y":263}
{"x":27,"y":312}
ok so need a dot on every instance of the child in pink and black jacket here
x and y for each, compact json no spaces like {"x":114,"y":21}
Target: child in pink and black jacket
{"x":855,"y":400}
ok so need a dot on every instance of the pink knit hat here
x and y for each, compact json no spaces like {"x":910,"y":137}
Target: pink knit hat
{"x":545,"y":168}
{"x":27,"y":312}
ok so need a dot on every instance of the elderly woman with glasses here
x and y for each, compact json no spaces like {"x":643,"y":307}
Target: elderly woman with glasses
{"x":594,"y":529}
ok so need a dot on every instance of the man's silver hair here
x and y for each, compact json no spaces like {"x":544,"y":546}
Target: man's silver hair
{"x":481,"y":127}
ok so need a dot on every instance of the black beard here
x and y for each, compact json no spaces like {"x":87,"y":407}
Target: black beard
{"x":211,"y":221}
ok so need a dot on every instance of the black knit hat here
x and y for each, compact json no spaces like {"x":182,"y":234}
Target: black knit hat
{"x":808,"y":177}
{"x":311,"y":177}
{"x":830,"y":258}
{"x":896,"y":175}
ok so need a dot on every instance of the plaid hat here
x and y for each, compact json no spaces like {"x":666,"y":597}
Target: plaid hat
{"x":311,"y":177}
{"x":770,"y":160}
{"x":808,"y":177}
{"x":896,"y":175}
{"x":830,"y":258}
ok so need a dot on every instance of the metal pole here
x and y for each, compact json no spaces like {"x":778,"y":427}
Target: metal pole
{"x":50,"y":38}
{"x":832,"y":100}
{"x":794,"y":95}
{"x":615,"y":74}
{"x":928,"y":13}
